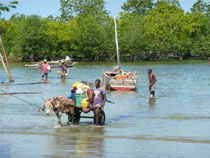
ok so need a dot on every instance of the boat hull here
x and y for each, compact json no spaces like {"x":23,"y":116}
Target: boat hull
{"x":124,"y":88}
{"x":120,"y":85}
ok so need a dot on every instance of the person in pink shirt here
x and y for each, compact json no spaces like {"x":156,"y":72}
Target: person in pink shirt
{"x":45,"y":68}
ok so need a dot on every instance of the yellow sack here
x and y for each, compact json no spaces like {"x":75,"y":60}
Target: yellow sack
{"x":84,"y":103}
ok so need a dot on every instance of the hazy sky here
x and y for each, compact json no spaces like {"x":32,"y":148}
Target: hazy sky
{"x":51,"y":7}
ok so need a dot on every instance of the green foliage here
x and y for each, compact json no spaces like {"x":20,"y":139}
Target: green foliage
{"x":164,"y":36}
{"x":131,"y":36}
{"x":171,"y":2}
{"x":11,"y":38}
{"x":26,"y":37}
{"x":35,"y":41}
{"x":62,"y":38}
{"x":201,"y":47}
{"x":12,"y":4}
{"x":91,"y":38}
{"x":138,"y":6}
{"x":72,"y":8}
{"x":199,"y":6}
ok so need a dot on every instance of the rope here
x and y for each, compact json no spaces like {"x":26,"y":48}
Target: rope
{"x":21,"y":99}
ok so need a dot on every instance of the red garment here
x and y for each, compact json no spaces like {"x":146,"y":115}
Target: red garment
{"x":44,"y":67}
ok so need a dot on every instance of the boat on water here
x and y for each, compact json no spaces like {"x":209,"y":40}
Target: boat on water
{"x":124,"y":81}
{"x":32,"y":65}
{"x":53,"y":64}
{"x":117,"y":79}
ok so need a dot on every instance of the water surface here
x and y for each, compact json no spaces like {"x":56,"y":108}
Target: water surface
{"x":173,"y":124}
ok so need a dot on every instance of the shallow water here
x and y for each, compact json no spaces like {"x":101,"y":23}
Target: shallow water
{"x":173,"y":124}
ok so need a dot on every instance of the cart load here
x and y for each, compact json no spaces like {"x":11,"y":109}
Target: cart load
{"x":81,"y":100}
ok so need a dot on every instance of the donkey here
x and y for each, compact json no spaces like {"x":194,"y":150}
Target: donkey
{"x":60,"y":105}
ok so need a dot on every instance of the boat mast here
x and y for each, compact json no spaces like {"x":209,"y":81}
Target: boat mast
{"x":117,"y":46}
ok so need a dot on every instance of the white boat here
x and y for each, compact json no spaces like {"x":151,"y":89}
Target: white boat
{"x":32,"y":65}
{"x":117,"y":79}
{"x":119,"y":82}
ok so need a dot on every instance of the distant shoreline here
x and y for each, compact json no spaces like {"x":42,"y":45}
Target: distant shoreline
{"x":170,"y":61}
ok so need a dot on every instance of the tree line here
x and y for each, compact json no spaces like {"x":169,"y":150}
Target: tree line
{"x":147,"y":30}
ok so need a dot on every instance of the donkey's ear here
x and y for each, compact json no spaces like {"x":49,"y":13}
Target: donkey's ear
{"x":44,"y":99}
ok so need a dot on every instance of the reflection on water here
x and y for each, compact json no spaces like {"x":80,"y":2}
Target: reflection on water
{"x":173,"y":124}
{"x":64,"y":81}
{"x":152,"y":104}
{"x":76,"y":141}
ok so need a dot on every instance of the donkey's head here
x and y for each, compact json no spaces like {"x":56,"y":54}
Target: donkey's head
{"x":48,"y":106}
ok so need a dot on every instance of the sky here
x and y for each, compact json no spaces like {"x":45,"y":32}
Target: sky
{"x":45,"y":8}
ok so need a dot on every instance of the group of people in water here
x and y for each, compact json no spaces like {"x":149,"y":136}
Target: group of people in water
{"x":96,"y":97}
{"x":45,"y":68}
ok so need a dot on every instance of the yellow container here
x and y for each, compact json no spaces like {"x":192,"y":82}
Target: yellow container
{"x":80,"y":85}
{"x":75,"y":85}
{"x":84,"y":103}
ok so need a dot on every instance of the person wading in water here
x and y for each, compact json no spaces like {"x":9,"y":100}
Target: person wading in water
{"x":99,"y":99}
{"x":45,"y":68}
{"x":152,"y":81}
{"x":63,"y":69}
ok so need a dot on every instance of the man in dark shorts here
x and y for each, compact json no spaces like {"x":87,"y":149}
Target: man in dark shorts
{"x":152,"y":81}
{"x":99,"y":99}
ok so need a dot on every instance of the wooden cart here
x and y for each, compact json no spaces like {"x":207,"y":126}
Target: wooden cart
{"x":78,"y":112}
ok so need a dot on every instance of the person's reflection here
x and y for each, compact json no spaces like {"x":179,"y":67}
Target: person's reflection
{"x":78,"y":142}
{"x":152,"y":104}
{"x":63,"y":81}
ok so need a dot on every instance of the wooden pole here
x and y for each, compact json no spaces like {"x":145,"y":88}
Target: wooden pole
{"x":6,"y":67}
{"x":102,"y":85}
{"x":116,"y":40}
{"x":4,"y":52}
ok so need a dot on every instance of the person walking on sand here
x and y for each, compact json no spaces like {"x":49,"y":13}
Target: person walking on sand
{"x":45,"y":68}
{"x":152,"y":81}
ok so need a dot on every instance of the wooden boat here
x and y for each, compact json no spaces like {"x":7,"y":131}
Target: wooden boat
{"x":126,"y":82}
{"x":59,"y":65}
{"x":32,"y":65}
{"x":52,"y":65}
{"x":117,"y":79}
